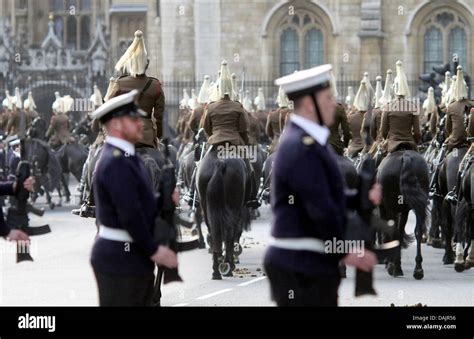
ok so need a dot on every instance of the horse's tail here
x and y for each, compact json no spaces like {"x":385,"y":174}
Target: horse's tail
{"x":413,"y":195}
{"x":218,"y":213}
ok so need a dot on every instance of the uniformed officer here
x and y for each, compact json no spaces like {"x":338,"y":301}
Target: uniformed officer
{"x":261,"y":114}
{"x":341,"y":123}
{"x":400,"y":121}
{"x":134,"y":64}
{"x":355,"y":118}
{"x":198,"y":111}
{"x":276,"y":119}
{"x":124,"y":252}
{"x":308,"y":201}
{"x":456,"y":112}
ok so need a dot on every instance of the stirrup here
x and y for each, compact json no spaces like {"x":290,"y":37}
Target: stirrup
{"x":451,"y":197}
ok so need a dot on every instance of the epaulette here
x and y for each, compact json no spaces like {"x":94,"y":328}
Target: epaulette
{"x":307,"y":140}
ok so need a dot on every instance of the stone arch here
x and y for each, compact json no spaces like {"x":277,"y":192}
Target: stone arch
{"x":417,"y":25}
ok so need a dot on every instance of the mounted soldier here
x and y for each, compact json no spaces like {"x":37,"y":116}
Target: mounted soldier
{"x":183,"y":115}
{"x":355,"y":118}
{"x":349,"y":99}
{"x":459,"y":110}
{"x":276,"y":119}
{"x":59,"y":132}
{"x":338,"y":142}
{"x":16,"y":117}
{"x":134,"y":64}
{"x":30,"y":109}
{"x":254,"y":124}
{"x":377,"y":112}
{"x":226,"y":123}
{"x":261,"y":114}
{"x":198,"y":111}
{"x":400,"y":121}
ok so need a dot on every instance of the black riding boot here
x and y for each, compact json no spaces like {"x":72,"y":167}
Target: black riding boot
{"x":252,"y":202}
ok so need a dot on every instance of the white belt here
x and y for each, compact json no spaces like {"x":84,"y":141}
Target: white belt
{"x":299,"y":244}
{"x":114,"y":234}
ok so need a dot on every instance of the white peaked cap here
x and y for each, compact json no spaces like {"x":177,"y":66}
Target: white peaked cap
{"x":401,"y":82}
{"x":224,"y":83}
{"x":362,"y":98}
{"x":302,"y":82}
{"x":388,"y":90}
{"x":96,"y":97}
{"x":18,"y":102}
{"x":193,"y":101}
{"x":247,"y":102}
{"x":350,"y":96}
{"x":282,"y":98}
{"x":259,"y":101}
{"x":430,"y":102}
{"x":203,"y":96}
{"x":378,"y":92}
{"x":29,"y":103}
{"x":235,"y":90}
{"x":109,"y":89}
{"x":184,"y":103}
{"x":135,"y":58}
{"x":460,"y":87}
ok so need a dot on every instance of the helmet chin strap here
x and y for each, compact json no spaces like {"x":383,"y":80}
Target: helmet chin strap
{"x":316,"y":109}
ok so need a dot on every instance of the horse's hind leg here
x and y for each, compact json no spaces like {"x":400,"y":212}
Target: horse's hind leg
{"x":229,"y":252}
{"x":402,"y":221}
{"x":216,"y":246}
{"x":418,"y":272}
{"x":65,"y":182}
{"x":448,"y":258}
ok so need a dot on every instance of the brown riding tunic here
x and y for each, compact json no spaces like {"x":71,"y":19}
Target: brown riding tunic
{"x":30,"y":116}
{"x":152,"y":101}
{"x":195,"y":118}
{"x":455,"y":127}
{"x":356,"y":145}
{"x":254,"y":129}
{"x":400,"y":125}
{"x":225,"y":121}
{"x":58,"y":130}
{"x":274,"y":125}
{"x":341,"y":123}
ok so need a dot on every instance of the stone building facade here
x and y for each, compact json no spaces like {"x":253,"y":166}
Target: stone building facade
{"x":187,"y":39}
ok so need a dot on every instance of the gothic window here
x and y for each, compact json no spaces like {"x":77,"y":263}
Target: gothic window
{"x":289,"y":52}
{"x":445,"y":34}
{"x":457,"y":45}
{"x":85,"y":32}
{"x":314,"y":50}
{"x":72,"y":22}
{"x":301,"y":42}
{"x":433,"y":49}
{"x":71,"y":38}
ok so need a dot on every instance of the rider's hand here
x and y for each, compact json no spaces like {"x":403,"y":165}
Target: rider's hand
{"x":364,"y":262}
{"x":175,"y":196}
{"x":29,"y":184}
{"x":375,"y":194}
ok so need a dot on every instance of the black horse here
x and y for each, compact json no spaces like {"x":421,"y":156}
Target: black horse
{"x":72,"y":158}
{"x":223,"y":185}
{"x":38,"y":129}
{"x":445,"y":210}
{"x":464,"y":223}
{"x":405,"y":181}
{"x":46,"y":169}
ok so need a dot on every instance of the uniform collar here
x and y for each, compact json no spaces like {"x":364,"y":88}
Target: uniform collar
{"x":320,"y":133}
{"x":122,"y":144}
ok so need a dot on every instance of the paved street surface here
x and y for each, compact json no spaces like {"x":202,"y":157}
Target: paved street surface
{"x":61,"y":273}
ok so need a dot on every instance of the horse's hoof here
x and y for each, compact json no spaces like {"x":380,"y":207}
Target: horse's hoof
{"x":225,"y":269}
{"x":448,"y":258}
{"x":437,"y":243}
{"x":418,"y":274}
{"x":459,"y":267}
{"x":216,"y":276}
{"x":390,"y":268}
{"x":398,"y":272}
{"x":468,"y":264}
